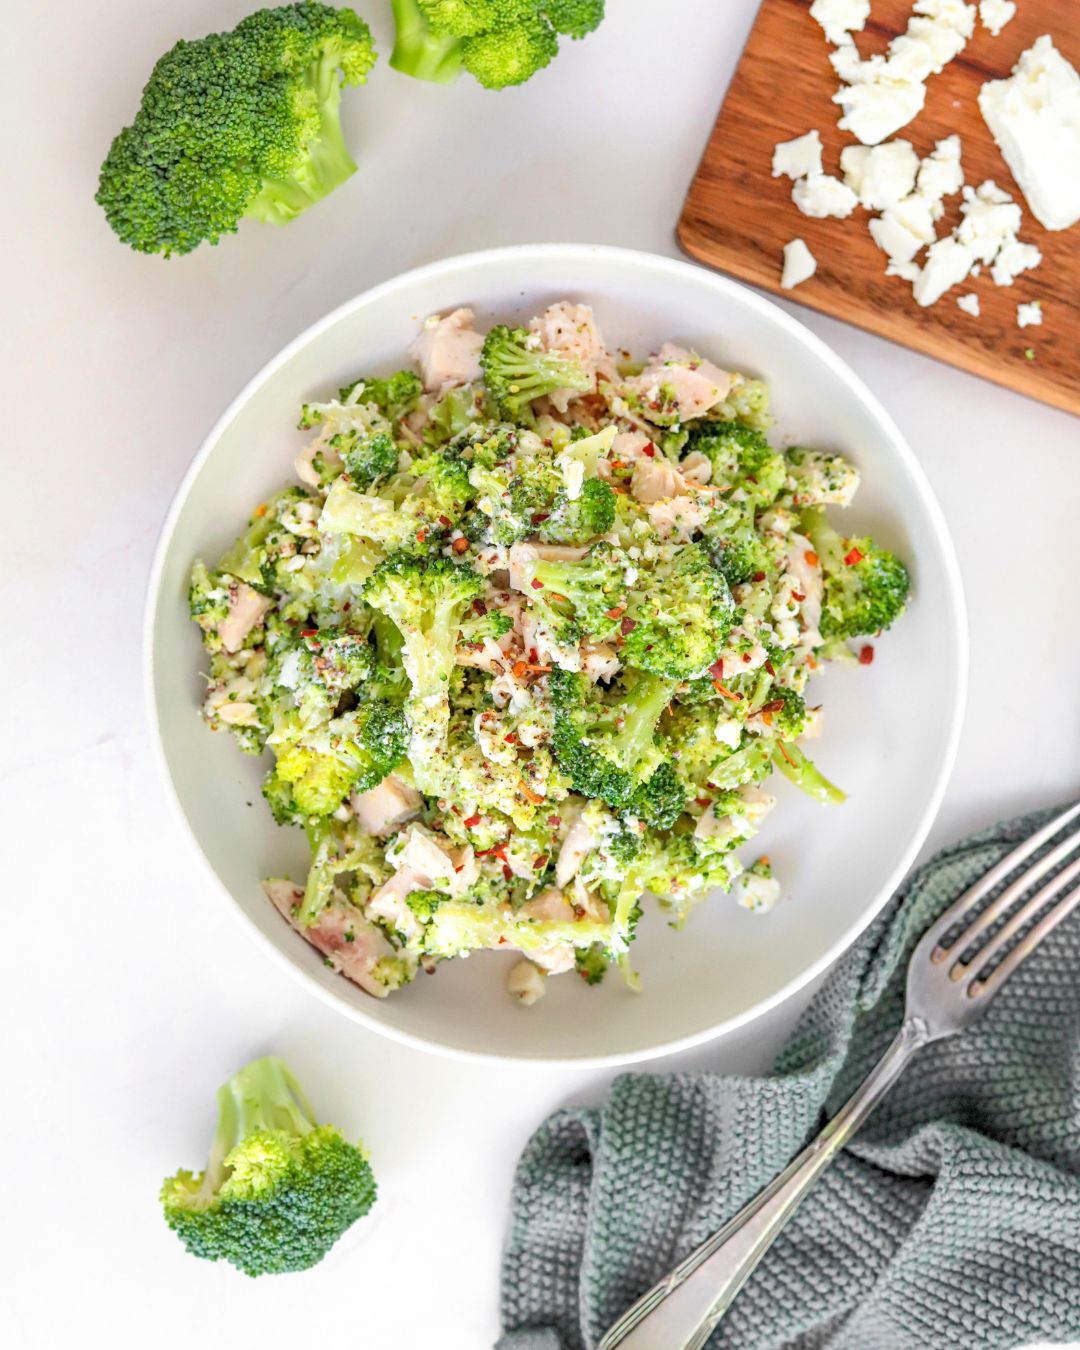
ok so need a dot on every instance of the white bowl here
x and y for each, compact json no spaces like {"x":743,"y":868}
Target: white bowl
{"x":891,"y":728}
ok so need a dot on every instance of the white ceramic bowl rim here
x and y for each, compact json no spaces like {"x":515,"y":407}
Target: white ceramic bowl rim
{"x":950,"y":580}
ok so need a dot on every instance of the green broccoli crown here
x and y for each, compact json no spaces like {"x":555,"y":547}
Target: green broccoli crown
{"x":341,"y":660}
{"x":592,"y":962}
{"x":741,"y":457}
{"x":516,"y":373}
{"x":660,"y":800}
{"x":680,"y":617}
{"x":785,"y":712}
{"x":866,"y":587}
{"x":605,"y":741}
{"x":736,"y":548}
{"x":236,"y":124}
{"x":499,"y":42}
{"x":370,"y":458}
{"x":582,"y":519}
{"x":279,"y":1189}
{"x":394,"y":396}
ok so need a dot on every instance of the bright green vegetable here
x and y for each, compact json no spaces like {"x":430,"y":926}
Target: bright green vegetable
{"x":237,"y":124}
{"x":279,"y":1189}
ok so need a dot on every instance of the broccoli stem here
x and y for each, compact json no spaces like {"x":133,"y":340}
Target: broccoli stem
{"x":643,"y":705}
{"x":262,"y":1096}
{"x":793,"y":764}
{"x":327,"y":165}
{"x":418,"y":51}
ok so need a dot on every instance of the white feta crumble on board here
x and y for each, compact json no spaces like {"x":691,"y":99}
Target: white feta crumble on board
{"x":821,"y":195}
{"x":799,"y":264}
{"x":875,"y":109}
{"x":995,"y":14}
{"x":1034,"y":116}
{"x":840,"y":17}
{"x":941,"y":173}
{"x":1013,"y":259}
{"x":894,"y":239}
{"x":906,"y":271}
{"x":947,"y":264}
{"x":880,"y":175}
{"x":797,"y":158}
{"x":969,"y":304}
{"x":1029,"y":315}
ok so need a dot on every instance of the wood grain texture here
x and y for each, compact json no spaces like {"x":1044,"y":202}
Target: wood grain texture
{"x":737,"y":217}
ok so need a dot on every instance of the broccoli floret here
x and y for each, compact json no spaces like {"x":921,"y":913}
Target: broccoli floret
{"x":370,"y":458}
{"x":748,"y":402}
{"x":444,"y":479}
{"x":394,"y":396}
{"x":592,"y":962}
{"x":818,"y":479}
{"x":208,"y":603}
{"x":338,"y":849}
{"x":605,"y":741}
{"x":499,"y":42}
{"x":516,"y":373}
{"x":341,"y":660}
{"x":866,"y":587}
{"x":354,"y":752}
{"x":579,"y":520}
{"x":426,"y":598}
{"x":279,"y":1189}
{"x":424,"y":903}
{"x":487,"y":624}
{"x":735,"y":546}
{"x":785,"y":713}
{"x":660,"y":800}
{"x":237,"y":124}
{"x":366,"y":515}
{"x":741,"y":457}
{"x":281,"y":800}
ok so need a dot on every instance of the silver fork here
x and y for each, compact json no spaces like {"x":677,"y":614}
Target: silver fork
{"x":951,"y":981}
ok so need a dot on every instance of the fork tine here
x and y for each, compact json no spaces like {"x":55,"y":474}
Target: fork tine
{"x":1017,"y":923}
{"x":1023,"y":883}
{"x":997,"y":873}
{"x":1020,"y":953}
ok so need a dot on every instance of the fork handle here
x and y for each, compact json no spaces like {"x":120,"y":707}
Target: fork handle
{"x":682,"y":1311}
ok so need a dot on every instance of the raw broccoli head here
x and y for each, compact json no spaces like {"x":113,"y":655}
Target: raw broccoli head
{"x":352,"y":754}
{"x":516,"y":373}
{"x":741,"y":457}
{"x":499,"y":42}
{"x":370,"y":458}
{"x":237,"y":124}
{"x":866,"y":587}
{"x":785,"y":713}
{"x":279,"y":1189}
{"x":679,"y":615}
{"x":394,"y":396}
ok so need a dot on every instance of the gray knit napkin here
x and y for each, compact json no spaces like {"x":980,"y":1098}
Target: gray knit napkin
{"x":952,"y":1220}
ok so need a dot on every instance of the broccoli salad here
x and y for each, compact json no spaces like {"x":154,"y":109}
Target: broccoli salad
{"x":525,"y":643}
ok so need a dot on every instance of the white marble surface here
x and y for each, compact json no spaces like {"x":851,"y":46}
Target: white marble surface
{"x":127,"y":992}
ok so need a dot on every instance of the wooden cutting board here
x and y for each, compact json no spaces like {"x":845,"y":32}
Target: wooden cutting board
{"x":738,"y":217}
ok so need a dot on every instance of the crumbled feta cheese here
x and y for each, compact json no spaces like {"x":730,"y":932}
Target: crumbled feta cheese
{"x":1035,"y":118}
{"x":907,"y":271}
{"x":758,"y":893}
{"x":877,"y":108}
{"x":1013,"y":259}
{"x":821,"y":195}
{"x":916,"y":214}
{"x":1030,"y":315}
{"x":799,"y":157}
{"x":840,"y":17}
{"x":941,"y":173}
{"x":947,"y":264}
{"x":880,"y":175}
{"x":799,"y":264}
{"x":894,"y":238}
{"x":969,"y":304}
{"x":995,"y":14}
{"x":990,"y":218}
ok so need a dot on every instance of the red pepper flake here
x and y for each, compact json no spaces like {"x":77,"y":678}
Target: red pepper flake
{"x":471,"y":822}
{"x":537,"y":584}
{"x":766,"y":717}
{"x":649,"y":449}
{"x":627,"y":626}
{"x":421,"y":536}
{"x":853,"y":556}
{"x":261,"y":510}
{"x":618,"y":464}
{"x":538,"y":517}
{"x":461,"y":546}
{"x":617,"y":612}
{"x":798,"y":596}
{"x":309,"y":632}
{"x":716,"y":670}
{"x":759,"y":576}
{"x":769,"y":667}
{"x":540,"y":862}
{"x":773,"y":705}
{"x":518,"y":669}
{"x":445,"y":522}
{"x":511,"y":739}
{"x":725,"y":692}
{"x":811,"y":557}
{"x":703,"y":801}
{"x":554,"y":821}
{"x":479,"y":607}
{"x":508,"y":872}
{"x":866,"y":656}
{"x":529,"y":794}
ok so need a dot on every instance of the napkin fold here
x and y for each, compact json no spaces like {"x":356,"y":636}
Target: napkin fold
{"x":953,"y":1219}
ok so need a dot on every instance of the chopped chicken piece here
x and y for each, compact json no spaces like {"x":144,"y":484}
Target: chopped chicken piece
{"x":351,"y":944}
{"x":550,"y":906}
{"x":680,"y":516}
{"x":526,"y":983}
{"x":247,"y":609}
{"x":576,"y":847}
{"x":655,"y":479}
{"x":384,"y":809}
{"x":304,"y":463}
{"x":629,"y":446}
{"x":571,"y":330}
{"x":556,"y":959}
{"x":600,"y":662}
{"x":693,"y":384}
{"x":803,"y":565}
{"x":696,"y":468}
{"x":447,"y":350}
{"x":423,"y":853}
{"x":238,"y":714}
{"x":389,"y":901}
